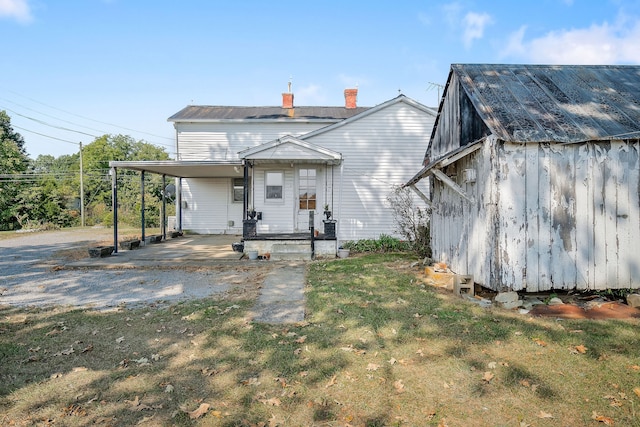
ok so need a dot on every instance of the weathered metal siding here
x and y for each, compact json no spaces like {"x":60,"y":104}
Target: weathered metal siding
{"x":552,"y":216}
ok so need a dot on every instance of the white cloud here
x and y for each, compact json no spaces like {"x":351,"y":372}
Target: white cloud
{"x":16,"y":9}
{"x":474,"y":25}
{"x":598,"y":44}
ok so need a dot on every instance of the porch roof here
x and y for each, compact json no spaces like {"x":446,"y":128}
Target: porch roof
{"x":290,"y":149}
{"x":185,"y":169}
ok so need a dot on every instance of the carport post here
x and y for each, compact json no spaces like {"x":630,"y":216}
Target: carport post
{"x":114,"y":207}
{"x":179,"y":204}
{"x":142,"y":223}
{"x":163,"y":222}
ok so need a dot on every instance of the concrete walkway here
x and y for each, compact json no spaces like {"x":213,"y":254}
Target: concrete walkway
{"x":281,"y":297}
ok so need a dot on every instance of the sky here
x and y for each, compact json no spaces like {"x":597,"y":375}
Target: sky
{"x":74,"y":70}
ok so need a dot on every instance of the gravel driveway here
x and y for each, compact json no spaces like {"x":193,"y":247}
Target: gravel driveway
{"x":32,"y":274}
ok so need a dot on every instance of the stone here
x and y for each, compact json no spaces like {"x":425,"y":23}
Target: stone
{"x":511,"y":304}
{"x":506,"y":297}
{"x":100,"y":251}
{"x":555,"y":301}
{"x":633,"y":300}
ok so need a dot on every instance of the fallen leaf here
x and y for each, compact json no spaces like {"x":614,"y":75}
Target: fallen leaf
{"x":525,"y":383}
{"x":392,"y":361}
{"x":302,"y":339}
{"x":602,"y":419}
{"x":399,"y":386}
{"x":635,"y":367}
{"x":539,"y":342}
{"x":488,"y":376}
{"x":202,"y":409}
{"x":637,"y":391}
{"x":169,"y":388}
{"x":543,"y":414}
{"x":331,"y":382}
{"x":581,"y":349}
{"x":492,"y":365}
{"x":274,"y":401}
{"x":372,"y":367}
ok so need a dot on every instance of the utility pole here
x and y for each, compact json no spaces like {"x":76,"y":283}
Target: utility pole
{"x":81,"y":189}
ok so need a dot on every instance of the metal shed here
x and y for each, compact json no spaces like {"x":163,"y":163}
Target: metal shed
{"x":535,"y":176}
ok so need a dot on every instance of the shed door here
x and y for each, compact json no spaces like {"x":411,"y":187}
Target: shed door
{"x":307,"y":199}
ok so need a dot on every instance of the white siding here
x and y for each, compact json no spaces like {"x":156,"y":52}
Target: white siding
{"x":277,"y":216}
{"x":559,"y":217}
{"x":380,"y":150}
{"x":223,"y":141}
{"x":209,"y":206}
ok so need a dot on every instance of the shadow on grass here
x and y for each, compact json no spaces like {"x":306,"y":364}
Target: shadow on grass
{"x":378,"y":348}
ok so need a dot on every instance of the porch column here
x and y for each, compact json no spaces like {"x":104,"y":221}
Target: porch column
{"x":142,"y":219}
{"x":245,"y":185}
{"x":114,"y":206}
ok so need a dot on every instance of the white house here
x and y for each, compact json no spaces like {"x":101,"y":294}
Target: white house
{"x":536,"y":176}
{"x":287,"y":161}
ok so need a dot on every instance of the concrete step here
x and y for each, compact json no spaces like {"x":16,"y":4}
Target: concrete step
{"x":293,"y":251}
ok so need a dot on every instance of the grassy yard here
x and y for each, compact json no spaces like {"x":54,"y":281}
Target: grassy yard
{"x":379,"y":347}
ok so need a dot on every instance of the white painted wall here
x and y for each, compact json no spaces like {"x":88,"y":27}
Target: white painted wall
{"x":209,"y":206}
{"x":380,"y":150}
{"x":223,"y":141}
{"x":544,"y":217}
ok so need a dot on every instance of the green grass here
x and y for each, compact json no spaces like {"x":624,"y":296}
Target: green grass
{"x":379,"y":347}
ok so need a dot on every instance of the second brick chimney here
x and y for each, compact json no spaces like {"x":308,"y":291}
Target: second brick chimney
{"x":350,"y":98}
{"x":287,"y":100}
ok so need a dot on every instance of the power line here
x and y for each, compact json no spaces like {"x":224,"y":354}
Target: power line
{"x":49,"y":124}
{"x":46,"y":136}
{"x":88,"y":118}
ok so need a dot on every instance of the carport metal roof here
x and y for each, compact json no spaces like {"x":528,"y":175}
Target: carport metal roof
{"x":185,"y":169}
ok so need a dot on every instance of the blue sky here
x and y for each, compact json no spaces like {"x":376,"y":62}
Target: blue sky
{"x":76,"y":69}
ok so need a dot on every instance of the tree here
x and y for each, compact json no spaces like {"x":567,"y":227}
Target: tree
{"x":412,"y":221}
{"x":13,"y":160}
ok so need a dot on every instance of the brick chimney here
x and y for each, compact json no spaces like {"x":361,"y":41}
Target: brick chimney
{"x":350,"y":98}
{"x":287,"y":100}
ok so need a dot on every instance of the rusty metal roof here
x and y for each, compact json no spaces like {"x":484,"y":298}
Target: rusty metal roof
{"x":204,"y":113}
{"x":554,"y":103}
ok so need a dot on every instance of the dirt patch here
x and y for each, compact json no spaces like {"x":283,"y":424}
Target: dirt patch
{"x":607,"y":310}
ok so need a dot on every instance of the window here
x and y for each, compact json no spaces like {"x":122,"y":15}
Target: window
{"x":238,"y":190}
{"x":274,"y":184}
{"x":307,"y":189}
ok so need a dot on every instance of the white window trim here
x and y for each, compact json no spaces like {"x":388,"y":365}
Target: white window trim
{"x":281,"y":200}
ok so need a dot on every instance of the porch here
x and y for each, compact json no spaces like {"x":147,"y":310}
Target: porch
{"x":291,"y":246}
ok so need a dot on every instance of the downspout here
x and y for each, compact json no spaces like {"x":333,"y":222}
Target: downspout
{"x":114,"y":206}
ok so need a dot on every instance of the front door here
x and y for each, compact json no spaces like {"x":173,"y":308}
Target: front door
{"x":307,"y":198}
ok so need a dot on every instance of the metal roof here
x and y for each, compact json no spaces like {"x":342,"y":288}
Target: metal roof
{"x":554,"y":103}
{"x":207,"y":113}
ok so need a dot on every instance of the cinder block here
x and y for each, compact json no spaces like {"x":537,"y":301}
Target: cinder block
{"x":463,"y":285}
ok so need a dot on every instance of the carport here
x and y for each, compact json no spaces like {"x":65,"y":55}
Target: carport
{"x":178,"y":170}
